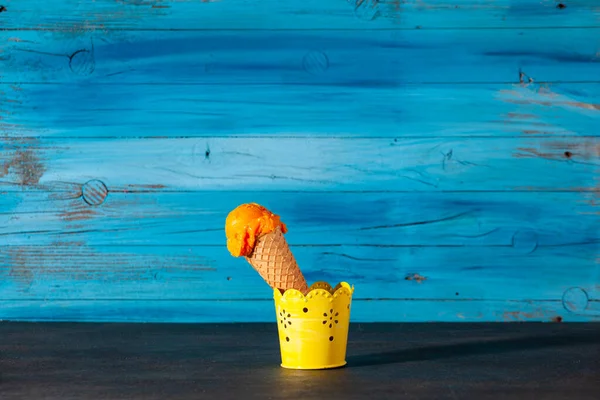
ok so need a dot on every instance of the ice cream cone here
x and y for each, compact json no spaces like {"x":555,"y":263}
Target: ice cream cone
{"x":275,"y":263}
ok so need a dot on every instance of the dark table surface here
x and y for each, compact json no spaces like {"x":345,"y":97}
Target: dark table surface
{"x":241,"y":361}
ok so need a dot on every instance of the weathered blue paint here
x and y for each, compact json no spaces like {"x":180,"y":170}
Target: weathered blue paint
{"x":520,"y":272}
{"x":406,"y":310}
{"x":305,"y":14}
{"x":319,"y":218}
{"x":325,"y":164}
{"x":442,"y":156}
{"x":371,"y":58}
{"x":90,"y":109}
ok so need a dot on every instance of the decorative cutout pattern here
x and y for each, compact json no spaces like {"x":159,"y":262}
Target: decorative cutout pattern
{"x":331,"y":318}
{"x":285,"y":319}
{"x":313,"y":327}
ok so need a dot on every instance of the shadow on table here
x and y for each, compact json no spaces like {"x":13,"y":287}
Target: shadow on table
{"x":472,"y":348}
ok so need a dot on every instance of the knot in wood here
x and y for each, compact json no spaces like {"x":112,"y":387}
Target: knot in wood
{"x":366,"y":10}
{"x":575,"y":300}
{"x":82,"y":62}
{"x":525,"y":241}
{"x":94,"y":192}
{"x":315,"y":62}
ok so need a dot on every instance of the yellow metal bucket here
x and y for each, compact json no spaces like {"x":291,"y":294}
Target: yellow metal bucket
{"x":313,"y":329}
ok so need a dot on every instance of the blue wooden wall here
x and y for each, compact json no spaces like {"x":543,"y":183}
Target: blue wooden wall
{"x":442,"y":156}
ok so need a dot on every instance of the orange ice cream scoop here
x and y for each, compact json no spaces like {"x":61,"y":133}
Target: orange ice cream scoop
{"x":245,"y":224}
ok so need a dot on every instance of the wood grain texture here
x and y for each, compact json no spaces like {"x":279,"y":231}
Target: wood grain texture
{"x":366,"y":58}
{"x":77,"y":15}
{"x":90,"y":109}
{"x":71,"y":272}
{"x":442,"y":156}
{"x":378,"y":310}
{"x":140,"y":216}
{"x":258,"y":163}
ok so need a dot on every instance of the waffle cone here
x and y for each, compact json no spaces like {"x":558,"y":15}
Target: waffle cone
{"x":275,"y":263}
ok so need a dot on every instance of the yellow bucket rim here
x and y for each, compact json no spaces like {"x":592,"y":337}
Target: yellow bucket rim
{"x":322,"y":287}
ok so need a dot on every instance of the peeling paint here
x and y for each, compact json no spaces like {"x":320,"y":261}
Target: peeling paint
{"x":65,"y":262}
{"x":575,"y":150}
{"x":25,"y":165}
{"x":520,"y":115}
{"x":78,"y":211}
{"x":534,"y":132}
{"x":415,"y":277}
{"x":587,"y":106}
{"x":18,"y":40}
{"x":64,"y":243}
{"x":19,"y":272}
{"x":544,"y":96}
{"x":133,"y":188}
{"x":537,"y":314}
{"x":528,"y":152}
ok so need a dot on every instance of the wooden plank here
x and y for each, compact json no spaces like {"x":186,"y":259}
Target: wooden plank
{"x":522,"y":221}
{"x":75,"y":272}
{"x":84,"y":109}
{"x":262,"y":311}
{"x":336,"y":164}
{"x":366,"y":58}
{"x":72,"y":15}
